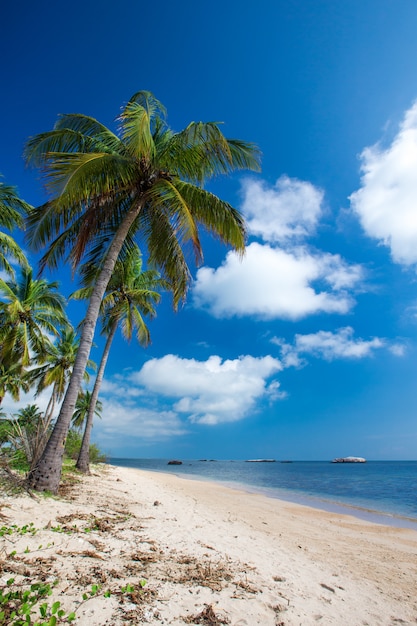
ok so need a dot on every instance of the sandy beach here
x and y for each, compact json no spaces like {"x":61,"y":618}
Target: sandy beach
{"x":177,"y":551}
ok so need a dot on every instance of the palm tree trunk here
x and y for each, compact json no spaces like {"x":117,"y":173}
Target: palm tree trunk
{"x":83,"y":461}
{"x":47,"y":473}
{"x":50,"y":408}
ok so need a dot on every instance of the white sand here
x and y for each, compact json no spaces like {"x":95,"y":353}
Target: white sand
{"x":210,"y":555}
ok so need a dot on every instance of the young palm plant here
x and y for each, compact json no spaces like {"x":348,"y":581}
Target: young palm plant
{"x":106,"y":188}
{"x":27,"y":433}
{"x":130,"y":295}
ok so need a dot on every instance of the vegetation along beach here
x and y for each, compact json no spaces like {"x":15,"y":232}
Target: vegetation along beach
{"x":208,"y":313}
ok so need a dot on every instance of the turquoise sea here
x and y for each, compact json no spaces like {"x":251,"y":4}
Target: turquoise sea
{"x":380,"y":491}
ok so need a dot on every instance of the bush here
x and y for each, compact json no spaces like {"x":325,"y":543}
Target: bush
{"x":73,"y":447}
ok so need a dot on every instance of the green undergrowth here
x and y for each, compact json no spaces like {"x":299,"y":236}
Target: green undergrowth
{"x":28,"y":601}
{"x":23,"y":604}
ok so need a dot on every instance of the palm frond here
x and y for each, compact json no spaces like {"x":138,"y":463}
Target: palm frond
{"x":136,"y":132}
{"x":77,"y":177}
{"x":201,"y":151}
{"x":165,"y":196}
{"x":164,"y":250}
{"x":12,"y":208}
{"x":154,"y":107}
{"x":101,"y":137}
{"x":9,"y":248}
{"x":217,"y":216}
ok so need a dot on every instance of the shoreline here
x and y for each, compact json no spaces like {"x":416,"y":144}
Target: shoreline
{"x":321,"y":503}
{"x":210,"y":552}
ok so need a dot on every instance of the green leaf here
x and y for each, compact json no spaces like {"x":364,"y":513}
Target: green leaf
{"x":43,"y":609}
{"x":55,"y":607}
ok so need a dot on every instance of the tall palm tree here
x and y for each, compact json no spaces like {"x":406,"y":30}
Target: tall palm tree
{"x":30,"y":308}
{"x":12,"y":211}
{"x":106,"y":188}
{"x":130,"y":295}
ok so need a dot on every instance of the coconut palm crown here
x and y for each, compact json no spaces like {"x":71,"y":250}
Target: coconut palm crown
{"x":106,"y":188}
{"x":97,"y":179}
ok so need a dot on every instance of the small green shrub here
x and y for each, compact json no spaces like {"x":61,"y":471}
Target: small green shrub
{"x":73,"y":447}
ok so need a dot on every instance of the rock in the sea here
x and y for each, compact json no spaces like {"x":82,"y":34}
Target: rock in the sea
{"x":174,"y":462}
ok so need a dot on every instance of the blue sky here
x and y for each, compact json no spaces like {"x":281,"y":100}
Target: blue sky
{"x":307,"y":348}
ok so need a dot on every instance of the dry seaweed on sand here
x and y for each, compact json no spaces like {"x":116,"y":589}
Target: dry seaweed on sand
{"x":192,"y":571}
{"x":207,"y":617}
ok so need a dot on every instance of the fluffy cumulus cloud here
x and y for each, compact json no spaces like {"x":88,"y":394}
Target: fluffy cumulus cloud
{"x":386,"y":203}
{"x":290,"y":209}
{"x":340,"y":344}
{"x":275,"y":283}
{"x":279,"y":277}
{"x":211,"y":391}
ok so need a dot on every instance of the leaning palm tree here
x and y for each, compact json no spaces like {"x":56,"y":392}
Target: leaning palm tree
{"x":12,"y":211}
{"x":145,"y":181}
{"x":130,"y":295}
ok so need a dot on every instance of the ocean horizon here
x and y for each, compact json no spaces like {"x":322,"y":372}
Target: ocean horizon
{"x":378,"y":491}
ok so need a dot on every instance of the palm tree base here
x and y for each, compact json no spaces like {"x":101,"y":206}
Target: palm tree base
{"x":45,"y":477}
{"x":84,"y":468}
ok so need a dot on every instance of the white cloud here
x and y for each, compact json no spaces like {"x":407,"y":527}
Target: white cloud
{"x":212,"y":391}
{"x":340,"y":344}
{"x":386,"y":203}
{"x":290,"y":209}
{"x":10,"y":406}
{"x":274,"y":283}
{"x":122,"y":419}
{"x":397,"y":349}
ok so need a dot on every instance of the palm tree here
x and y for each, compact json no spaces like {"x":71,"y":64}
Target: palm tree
{"x":30,"y":309}
{"x":82,"y":407}
{"x":12,"y":380}
{"x":12,"y":210}
{"x":56,"y":368}
{"x":130,"y":294}
{"x":105,"y":189}
{"x":27,"y":432}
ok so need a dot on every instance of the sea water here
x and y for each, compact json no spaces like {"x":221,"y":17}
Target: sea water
{"x":380,"y":491}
